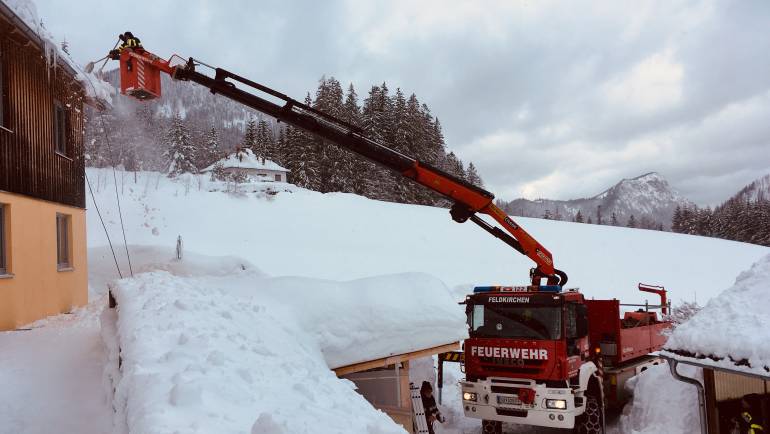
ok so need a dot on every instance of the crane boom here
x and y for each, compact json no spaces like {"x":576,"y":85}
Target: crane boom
{"x":139,"y":69}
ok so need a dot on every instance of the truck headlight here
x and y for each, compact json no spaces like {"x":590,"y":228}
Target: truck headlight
{"x":557,"y":404}
{"x":469,"y":396}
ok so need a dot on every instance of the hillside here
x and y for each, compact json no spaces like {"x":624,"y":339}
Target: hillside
{"x":342,"y":236}
{"x":649,"y":198}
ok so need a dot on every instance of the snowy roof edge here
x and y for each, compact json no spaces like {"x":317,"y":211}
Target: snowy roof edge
{"x":717,"y":364}
{"x":32,"y":35}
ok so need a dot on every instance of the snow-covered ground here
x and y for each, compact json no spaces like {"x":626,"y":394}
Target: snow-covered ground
{"x":51,"y":376}
{"x":214,"y":341}
{"x":342,"y":236}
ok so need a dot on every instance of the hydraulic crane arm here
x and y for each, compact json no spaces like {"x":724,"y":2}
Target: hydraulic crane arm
{"x":468,"y":199}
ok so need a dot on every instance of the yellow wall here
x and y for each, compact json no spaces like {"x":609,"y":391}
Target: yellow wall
{"x":37,"y":288}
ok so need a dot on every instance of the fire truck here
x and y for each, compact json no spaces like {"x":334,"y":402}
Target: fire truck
{"x":546,"y":356}
{"x":538,"y":354}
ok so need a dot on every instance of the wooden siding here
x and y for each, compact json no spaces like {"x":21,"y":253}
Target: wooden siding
{"x":29,"y":164}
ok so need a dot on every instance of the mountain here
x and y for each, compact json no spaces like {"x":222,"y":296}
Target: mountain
{"x":648,"y":198}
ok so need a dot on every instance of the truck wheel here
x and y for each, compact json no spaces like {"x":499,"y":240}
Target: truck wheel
{"x":491,"y":426}
{"x":592,"y":421}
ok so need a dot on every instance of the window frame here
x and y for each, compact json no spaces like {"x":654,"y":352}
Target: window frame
{"x":4,"y":269}
{"x":277,"y":177}
{"x":61,"y":146}
{"x":64,"y":249}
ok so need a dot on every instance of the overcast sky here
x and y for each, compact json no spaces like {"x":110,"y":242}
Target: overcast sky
{"x":549,"y":99}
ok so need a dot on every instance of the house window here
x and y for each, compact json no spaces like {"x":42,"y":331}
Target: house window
{"x":60,"y":128}
{"x":277,"y":176}
{"x":63,"y":242}
{"x":3,"y":254}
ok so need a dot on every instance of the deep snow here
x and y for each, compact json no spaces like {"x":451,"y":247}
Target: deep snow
{"x":735,"y":325}
{"x":342,"y":236}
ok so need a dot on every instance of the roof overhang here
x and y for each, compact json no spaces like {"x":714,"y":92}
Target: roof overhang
{"x":398,"y":358}
{"x":707,"y":363}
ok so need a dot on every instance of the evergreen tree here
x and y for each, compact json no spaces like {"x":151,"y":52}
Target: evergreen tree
{"x":264,"y":147}
{"x":614,"y":219}
{"x":631,"y":222}
{"x":589,"y":221}
{"x":180,"y":154}
{"x":210,"y":152}
{"x":599,"y":214}
{"x":579,"y":217}
{"x":473,"y":176}
{"x":250,"y":137}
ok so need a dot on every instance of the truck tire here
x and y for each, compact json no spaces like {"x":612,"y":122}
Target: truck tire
{"x":592,"y":421}
{"x":491,"y":426}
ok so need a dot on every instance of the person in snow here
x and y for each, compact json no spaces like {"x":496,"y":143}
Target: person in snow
{"x":745,"y":423}
{"x":429,"y":405}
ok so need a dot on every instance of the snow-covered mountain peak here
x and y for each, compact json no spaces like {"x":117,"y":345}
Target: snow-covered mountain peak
{"x":648,"y":196}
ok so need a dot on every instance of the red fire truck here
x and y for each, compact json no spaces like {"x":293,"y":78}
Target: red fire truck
{"x":538,"y":354}
{"x":549,"y":357}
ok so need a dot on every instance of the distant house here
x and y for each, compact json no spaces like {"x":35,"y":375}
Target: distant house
{"x":243,"y":162}
{"x":43,"y":269}
{"x":728,"y":339}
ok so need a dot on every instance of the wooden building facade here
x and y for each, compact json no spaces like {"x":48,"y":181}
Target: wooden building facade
{"x":42,"y":178}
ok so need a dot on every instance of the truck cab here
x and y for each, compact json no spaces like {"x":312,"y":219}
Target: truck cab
{"x":526,"y":350}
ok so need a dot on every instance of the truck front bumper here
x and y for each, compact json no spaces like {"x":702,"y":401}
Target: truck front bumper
{"x":496,"y":399}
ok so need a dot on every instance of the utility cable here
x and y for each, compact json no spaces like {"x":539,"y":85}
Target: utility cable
{"x":93,"y":199}
{"x":115,"y":181}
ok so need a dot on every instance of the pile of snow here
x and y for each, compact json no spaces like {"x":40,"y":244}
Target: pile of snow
{"x":94,"y":87}
{"x":340,"y":236}
{"x":733,"y":327}
{"x":661,"y":404}
{"x":213,"y":345}
{"x":245,"y":159}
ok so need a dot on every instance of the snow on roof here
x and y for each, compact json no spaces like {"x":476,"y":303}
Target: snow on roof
{"x":733,"y":329}
{"x":245,"y":159}
{"x":216,"y":344}
{"x":95,"y":88}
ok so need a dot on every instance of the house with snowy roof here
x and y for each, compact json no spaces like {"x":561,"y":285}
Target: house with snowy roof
{"x":243,"y":163}
{"x":729,"y":339}
{"x":43,"y":269}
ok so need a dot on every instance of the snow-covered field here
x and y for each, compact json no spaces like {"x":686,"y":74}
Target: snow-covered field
{"x":239,"y":336}
{"x":342,"y":236}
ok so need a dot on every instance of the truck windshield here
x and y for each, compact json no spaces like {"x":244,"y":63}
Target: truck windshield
{"x":516,"y":322}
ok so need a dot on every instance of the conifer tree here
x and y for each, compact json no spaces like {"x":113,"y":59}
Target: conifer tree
{"x":614,"y":219}
{"x":473,"y":176}
{"x":579,"y":217}
{"x":250,"y":137}
{"x":631,"y":222}
{"x":209,"y":153}
{"x":180,"y":154}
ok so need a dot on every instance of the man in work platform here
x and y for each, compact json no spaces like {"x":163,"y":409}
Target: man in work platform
{"x":128,"y":40}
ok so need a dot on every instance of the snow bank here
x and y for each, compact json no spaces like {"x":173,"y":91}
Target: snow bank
{"x":733,"y":327}
{"x":207,"y":345}
{"x":661,"y":404}
{"x":94,"y":87}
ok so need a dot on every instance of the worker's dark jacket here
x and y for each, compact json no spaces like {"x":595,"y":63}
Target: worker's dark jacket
{"x":429,"y":405}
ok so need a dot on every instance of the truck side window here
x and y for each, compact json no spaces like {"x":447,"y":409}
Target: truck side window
{"x":571,"y":321}
{"x":478,"y":317}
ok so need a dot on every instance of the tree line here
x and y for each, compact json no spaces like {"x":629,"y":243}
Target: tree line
{"x":141,"y":141}
{"x":738,"y":219}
